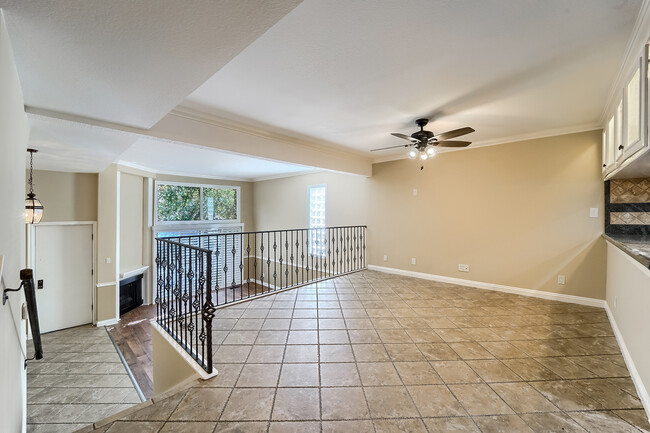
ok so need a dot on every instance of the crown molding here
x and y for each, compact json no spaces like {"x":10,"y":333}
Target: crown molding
{"x":638,"y":38}
{"x":509,"y":139}
{"x":221,"y":122}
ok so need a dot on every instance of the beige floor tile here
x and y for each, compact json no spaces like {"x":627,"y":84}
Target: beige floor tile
{"x":201,"y":404}
{"x":370,"y":353}
{"x":502,"y":423}
{"x":263,"y":354}
{"x":241,"y":427}
{"x":134,"y":426}
{"x":565,"y":368}
{"x":404,"y":352}
{"x":398,"y":336}
{"x":253,"y":404}
{"x":636,"y":417}
{"x":299,"y":375}
{"x":529,"y":369}
{"x":435,"y":401}
{"x":417,"y":373}
{"x":479,"y":399}
{"x":607,"y":394}
{"x":302,"y":337}
{"x":333,"y":336}
{"x":336,"y":353}
{"x":604,"y":421}
{"x":294,"y":427}
{"x":502,"y":349}
{"x":232,"y":354}
{"x":301,"y":353}
{"x":272,"y":337}
{"x":390,"y":402}
{"x":364,"y":426}
{"x":551,"y":423}
{"x":446,"y":425}
{"x":423,"y":335}
{"x":438,"y":352}
{"x":399,"y":425}
{"x":522,"y":397}
{"x":241,"y":337}
{"x":344,"y":403}
{"x":378,"y":373}
{"x":470,"y":350}
{"x":363,"y":336}
{"x":296,"y":404}
{"x":188,"y":427}
{"x":565,"y":395}
{"x":455,"y":372}
{"x":493,"y":370}
{"x":259,"y":375}
{"x":339,"y":374}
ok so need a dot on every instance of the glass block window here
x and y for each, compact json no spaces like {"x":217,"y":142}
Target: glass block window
{"x":317,"y":218}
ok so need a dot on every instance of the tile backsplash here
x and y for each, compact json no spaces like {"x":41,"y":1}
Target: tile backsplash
{"x":627,"y":206}
{"x":629,"y":190}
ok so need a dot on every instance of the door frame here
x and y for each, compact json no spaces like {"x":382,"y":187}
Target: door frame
{"x":31,"y":252}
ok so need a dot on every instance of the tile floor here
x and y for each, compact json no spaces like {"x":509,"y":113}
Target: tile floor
{"x":80,"y":380}
{"x":373,"y":352}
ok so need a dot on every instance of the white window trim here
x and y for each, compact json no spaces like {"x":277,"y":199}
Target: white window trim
{"x":199,"y":223}
{"x":322,"y":185}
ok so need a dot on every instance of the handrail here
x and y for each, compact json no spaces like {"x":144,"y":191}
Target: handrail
{"x":197,"y":273}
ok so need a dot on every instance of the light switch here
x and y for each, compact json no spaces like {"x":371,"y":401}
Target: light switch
{"x":415,"y":191}
{"x":108,"y":260}
{"x":593,"y":212}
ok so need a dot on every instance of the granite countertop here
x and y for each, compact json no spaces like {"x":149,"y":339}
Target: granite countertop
{"x":637,"y":246}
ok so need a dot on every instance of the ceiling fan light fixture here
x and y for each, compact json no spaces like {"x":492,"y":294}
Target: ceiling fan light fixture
{"x":413,"y":153}
{"x":423,"y":156}
{"x":431,"y":151}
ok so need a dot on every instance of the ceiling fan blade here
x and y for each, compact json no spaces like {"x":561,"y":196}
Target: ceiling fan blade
{"x":449,"y":143}
{"x":452,"y":134}
{"x":405,"y":137}
{"x":391,"y":147}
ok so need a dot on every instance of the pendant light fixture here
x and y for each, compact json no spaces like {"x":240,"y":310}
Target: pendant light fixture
{"x":33,"y":207}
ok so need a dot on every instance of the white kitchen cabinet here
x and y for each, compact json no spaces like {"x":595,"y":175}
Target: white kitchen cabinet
{"x":625,"y":135}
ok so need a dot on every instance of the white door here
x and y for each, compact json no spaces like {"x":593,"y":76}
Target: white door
{"x":64,"y":261}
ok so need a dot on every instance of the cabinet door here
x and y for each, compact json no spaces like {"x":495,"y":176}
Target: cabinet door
{"x":612,"y":155}
{"x":633,"y":111}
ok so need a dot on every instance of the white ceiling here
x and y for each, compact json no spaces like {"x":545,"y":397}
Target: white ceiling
{"x":353,"y":73}
{"x":78,"y":147}
{"x":186,"y":160}
{"x":339,"y":74}
{"x":126,"y":61}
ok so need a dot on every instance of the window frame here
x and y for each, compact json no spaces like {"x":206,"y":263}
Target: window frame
{"x":201,"y":223}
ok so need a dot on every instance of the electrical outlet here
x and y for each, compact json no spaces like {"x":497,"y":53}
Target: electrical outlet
{"x":415,"y":191}
{"x":108,"y":260}
{"x":561,"y":279}
{"x":593,"y":212}
{"x":463,"y":268}
{"x":385,"y":258}
{"x":413,"y":261}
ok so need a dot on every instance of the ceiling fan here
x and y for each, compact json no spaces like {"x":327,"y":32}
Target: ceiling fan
{"x":425,"y":142}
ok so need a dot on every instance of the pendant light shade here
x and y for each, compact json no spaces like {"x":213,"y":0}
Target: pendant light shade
{"x":33,"y":207}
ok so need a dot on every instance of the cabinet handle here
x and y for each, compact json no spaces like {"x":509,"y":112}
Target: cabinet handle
{"x":620,"y":147}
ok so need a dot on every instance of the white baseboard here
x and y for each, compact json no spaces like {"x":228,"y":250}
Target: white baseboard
{"x":629,"y":362}
{"x":107,"y":322}
{"x":496,"y":287}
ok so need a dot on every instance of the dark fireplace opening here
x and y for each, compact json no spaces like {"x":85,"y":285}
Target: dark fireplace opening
{"x":130,"y":293}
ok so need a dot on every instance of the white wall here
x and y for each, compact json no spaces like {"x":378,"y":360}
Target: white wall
{"x":14,"y":133}
{"x":628,"y":298}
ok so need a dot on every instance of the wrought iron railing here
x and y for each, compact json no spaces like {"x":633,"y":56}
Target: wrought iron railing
{"x":184,"y":297}
{"x":239,"y":266}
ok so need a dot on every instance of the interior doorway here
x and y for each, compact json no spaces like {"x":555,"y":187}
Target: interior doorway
{"x":61,"y":255}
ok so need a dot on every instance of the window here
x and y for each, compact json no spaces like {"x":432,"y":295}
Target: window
{"x":317,"y":214}
{"x":185,"y":203}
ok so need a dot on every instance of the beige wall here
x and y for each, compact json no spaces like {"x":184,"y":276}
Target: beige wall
{"x":246,"y":203}
{"x":131,"y":210}
{"x":628,"y":298}
{"x":14,"y":133}
{"x":66,"y":196}
{"x":517,"y":213}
